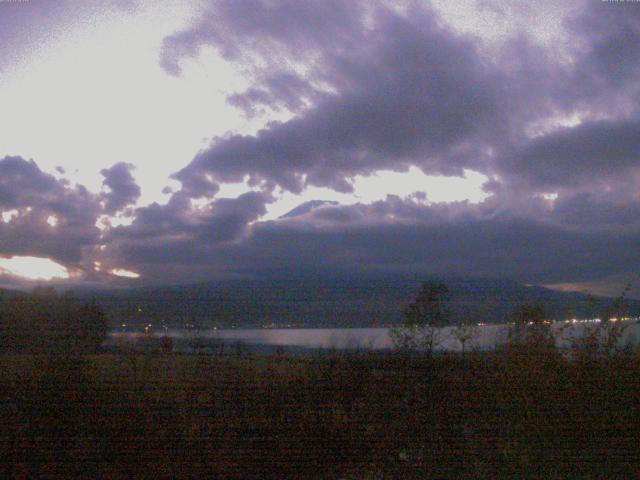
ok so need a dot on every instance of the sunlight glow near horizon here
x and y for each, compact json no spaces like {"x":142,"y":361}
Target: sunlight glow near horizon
{"x":33,"y":268}
{"x":121,"y":272}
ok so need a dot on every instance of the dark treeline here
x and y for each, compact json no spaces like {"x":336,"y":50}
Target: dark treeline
{"x":44,"y":321}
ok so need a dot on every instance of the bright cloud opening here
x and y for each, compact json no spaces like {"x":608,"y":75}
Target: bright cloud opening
{"x":376,"y":187}
{"x":81,"y":74}
{"x":52,"y":220}
{"x":33,"y":268}
{"x":105,"y":222}
{"x":121,"y":272}
{"x":9,"y":215}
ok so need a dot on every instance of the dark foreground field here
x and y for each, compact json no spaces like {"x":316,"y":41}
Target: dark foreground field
{"x":356,"y":416}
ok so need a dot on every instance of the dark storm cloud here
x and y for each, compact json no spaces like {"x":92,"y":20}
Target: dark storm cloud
{"x":403,"y":235}
{"x":157,"y":220}
{"x":616,"y":210}
{"x":402,"y":89}
{"x":600,"y":87}
{"x":271,"y":29}
{"x":409,"y":92}
{"x":609,"y":44}
{"x":372,"y":87}
{"x":520,"y":248}
{"x":122,"y":187}
{"x":23,"y":183}
{"x":222,"y":220}
{"x":26,"y":25}
{"x":36,"y":196}
{"x":592,"y":155}
{"x":385,"y":90}
{"x":228,"y":217}
{"x":277,"y":91}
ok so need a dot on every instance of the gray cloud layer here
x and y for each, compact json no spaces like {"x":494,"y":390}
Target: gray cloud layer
{"x":36,"y":196}
{"x":402,"y":91}
{"x":122,"y":187}
{"x":372,"y":87}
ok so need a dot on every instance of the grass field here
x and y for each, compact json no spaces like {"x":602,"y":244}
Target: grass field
{"x":350,"y":416}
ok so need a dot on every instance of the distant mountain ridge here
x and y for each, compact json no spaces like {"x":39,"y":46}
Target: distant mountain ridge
{"x":332,"y":301}
{"x":307,"y":207}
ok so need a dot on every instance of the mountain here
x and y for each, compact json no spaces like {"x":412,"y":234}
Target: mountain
{"x":306,"y":207}
{"x":331,"y":300}
{"x":608,"y":286}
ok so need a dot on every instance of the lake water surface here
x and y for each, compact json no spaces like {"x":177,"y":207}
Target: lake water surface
{"x":486,"y":336}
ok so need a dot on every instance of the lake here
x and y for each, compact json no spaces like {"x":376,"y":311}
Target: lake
{"x":487,"y":337}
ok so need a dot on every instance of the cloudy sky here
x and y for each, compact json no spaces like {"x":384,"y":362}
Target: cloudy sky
{"x":165,"y":141}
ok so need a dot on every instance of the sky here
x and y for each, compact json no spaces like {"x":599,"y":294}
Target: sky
{"x":165,"y":142}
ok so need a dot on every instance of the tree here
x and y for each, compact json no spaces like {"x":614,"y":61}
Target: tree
{"x":468,"y":321}
{"x":605,"y":336}
{"x":611,"y":322}
{"x":466,"y":331}
{"x":423,"y":318}
{"x":530,"y":327}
